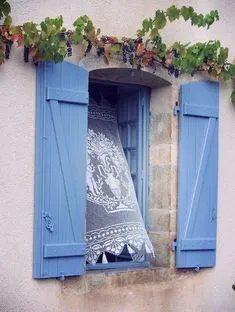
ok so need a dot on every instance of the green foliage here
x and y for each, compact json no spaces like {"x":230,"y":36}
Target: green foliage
{"x":233,"y":286}
{"x":233,"y":100}
{"x":46,"y":41}
{"x":5,"y":8}
{"x":153,"y":25}
{"x":83,"y":25}
{"x":50,"y":41}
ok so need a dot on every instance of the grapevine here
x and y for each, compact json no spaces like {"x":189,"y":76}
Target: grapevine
{"x":51,"y":41}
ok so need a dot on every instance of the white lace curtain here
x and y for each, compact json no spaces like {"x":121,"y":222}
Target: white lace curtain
{"x":113,"y":219}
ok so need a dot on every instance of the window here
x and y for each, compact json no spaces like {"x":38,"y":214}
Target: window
{"x":60,"y":169}
{"x":132,"y":105}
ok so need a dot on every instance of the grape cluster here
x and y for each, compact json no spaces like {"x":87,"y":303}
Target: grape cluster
{"x":88,"y":48}
{"x":177,"y":73}
{"x":173,"y":71}
{"x":69,"y":48}
{"x":62,"y":35}
{"x":26,"y":54}
{"x":8,"y":49}
{"x":128,"y":53}
{"x":139,"y":40}
{"x":124,"y":55}
{"x":100,"y":51}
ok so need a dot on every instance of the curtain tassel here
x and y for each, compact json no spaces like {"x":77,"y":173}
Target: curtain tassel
{"x":104,"y":259}
{"x":147,"y":249}
{"x":130,"y":250}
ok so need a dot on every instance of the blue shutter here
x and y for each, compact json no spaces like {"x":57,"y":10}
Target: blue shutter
{"x":197,"y":192}
{"x":60,"y":187}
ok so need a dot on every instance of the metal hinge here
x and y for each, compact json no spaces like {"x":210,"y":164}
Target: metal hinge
{"x":174,"y":245}
{"x":176,"y":110}
{"x":196,"y":269}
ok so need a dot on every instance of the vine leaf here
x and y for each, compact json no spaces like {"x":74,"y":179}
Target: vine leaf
{"x":5,"y":8}
{"x":233,"y":100}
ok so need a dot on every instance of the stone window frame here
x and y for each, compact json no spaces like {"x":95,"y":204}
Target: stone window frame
{"x":163,"y":154}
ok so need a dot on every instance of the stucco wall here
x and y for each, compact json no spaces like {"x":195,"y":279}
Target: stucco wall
{"x":160,"y":289}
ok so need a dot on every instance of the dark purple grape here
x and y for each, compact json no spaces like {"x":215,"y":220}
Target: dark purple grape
{"x":177,"y":73}
{"x":8,"y":49}
{"x":138,"y":40}
{"x":171,"y":69}
{"x":26,"y":54}
{"x":69,"y":48}
{"x":127,"y":47}
{"x":176,"y":53}
{"x":124,"y":54}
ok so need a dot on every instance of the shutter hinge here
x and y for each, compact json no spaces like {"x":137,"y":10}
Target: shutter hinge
{"x":196,"y":269}
{"x":61,"y":277}
{"x":174,"y":245}
{"x":176,"y":109}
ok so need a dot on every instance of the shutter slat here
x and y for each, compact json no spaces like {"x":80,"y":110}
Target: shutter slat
{"x":67,"y":95}
{"x":64,"y":250}
{"x":198,"y":244}
{"x":197,"y":178}
{"x":197,"y":110}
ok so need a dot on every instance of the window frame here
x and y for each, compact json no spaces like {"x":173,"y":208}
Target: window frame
{"x":143,"y":147}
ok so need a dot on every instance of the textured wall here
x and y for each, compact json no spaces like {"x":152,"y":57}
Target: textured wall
{"x":159,"y":289}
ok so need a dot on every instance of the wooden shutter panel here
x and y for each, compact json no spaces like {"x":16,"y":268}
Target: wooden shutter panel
{"x":198,"y":166}
{"x":60,"y":185}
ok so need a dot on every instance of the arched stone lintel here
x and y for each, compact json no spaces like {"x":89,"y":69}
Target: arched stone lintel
{"x":122,"y":73}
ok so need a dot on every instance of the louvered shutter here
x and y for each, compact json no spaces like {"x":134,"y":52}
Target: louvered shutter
{"x":198,"y":167}
{"x":60,"y":185}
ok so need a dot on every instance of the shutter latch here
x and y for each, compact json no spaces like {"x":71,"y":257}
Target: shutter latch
{"x":176,"y":110}
{"x":174,"y":245}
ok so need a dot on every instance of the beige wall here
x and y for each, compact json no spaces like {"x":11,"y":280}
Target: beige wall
{"x":159,"y":289}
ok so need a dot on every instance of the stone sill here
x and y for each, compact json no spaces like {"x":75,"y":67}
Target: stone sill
{"x":101,"y":280}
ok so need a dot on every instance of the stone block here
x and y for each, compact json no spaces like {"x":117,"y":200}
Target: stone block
{"x":160,"y":187}
{"x":161,"y":100}
{"x":172,"y":221}
{"x":174,"y":186}
{"x":158,"y":221}
{"x":161,"y":246}
{"x":160,"y":154}
{"x":160,"y":129}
